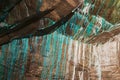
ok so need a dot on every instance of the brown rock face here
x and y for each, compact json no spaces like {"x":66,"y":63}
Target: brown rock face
{"x":62,"y":7}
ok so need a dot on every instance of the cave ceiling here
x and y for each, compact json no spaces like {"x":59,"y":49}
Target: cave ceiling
{"x":107,"y":10}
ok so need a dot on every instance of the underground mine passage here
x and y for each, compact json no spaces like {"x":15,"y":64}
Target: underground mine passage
{"x":59,"y":39}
